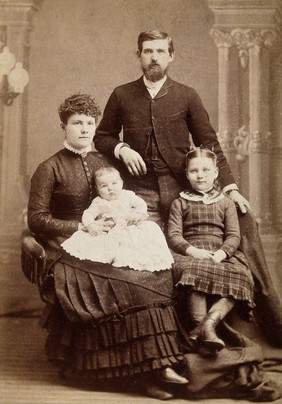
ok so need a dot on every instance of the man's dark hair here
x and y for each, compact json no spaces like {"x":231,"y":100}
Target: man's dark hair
{"x":152,"y":34}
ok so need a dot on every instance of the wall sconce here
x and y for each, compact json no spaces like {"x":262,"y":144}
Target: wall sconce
{"x":13,"y":77}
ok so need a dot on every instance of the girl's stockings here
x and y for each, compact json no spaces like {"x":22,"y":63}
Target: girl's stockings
{"x":197,"y":307}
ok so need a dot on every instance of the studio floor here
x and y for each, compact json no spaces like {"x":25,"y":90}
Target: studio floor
{"x":27,"y":377}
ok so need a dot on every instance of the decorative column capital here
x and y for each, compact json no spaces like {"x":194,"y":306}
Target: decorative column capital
{"x":226,"y":140}
{"x":246,"y":23}
{"x":241,"y":143}
{"x":247,"y":38}
{"x":222,"y":38}
{"x":260,"y":142}
{"x":255,"y":142}
{"x":244,"y":39}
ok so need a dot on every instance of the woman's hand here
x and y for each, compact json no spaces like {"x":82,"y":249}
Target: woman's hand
{"x":100,"y":226}
{"x":219,"y":256}
{"x":198,"y":253}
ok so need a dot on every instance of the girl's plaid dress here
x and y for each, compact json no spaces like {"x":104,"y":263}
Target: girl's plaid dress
{"x":209,"y":220}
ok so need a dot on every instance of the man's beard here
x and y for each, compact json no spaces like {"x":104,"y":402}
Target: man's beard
{"x":154,"y":72}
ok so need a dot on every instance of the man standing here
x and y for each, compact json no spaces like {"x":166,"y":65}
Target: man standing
{"x":157,"y":116}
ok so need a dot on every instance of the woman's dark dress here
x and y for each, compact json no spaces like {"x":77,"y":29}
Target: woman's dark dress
{"x":110,"y":321}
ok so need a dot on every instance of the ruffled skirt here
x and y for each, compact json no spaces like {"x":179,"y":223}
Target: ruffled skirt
{"x":111,"y":322}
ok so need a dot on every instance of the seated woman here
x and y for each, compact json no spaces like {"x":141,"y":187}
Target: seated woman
{"x":109,"y":322}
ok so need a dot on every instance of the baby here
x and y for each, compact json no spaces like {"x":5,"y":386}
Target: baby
{"x":133,"y":241}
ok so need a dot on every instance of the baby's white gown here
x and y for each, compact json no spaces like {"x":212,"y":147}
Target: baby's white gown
{"x":141,"y":246}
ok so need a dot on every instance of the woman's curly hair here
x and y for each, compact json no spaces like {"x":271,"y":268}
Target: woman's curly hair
{"x":78,"y":104}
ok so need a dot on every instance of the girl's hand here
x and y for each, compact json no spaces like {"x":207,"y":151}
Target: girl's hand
{"x":219,"y":256}
{"x":100,"y":226}
{"x":199,"y":253}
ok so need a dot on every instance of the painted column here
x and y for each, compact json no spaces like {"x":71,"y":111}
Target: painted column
{"x":260,"y":135}
{"x":255,"y":29}
{"x":252,"y":28}
{"x":15,"y":25}
{"x":227,"y":96}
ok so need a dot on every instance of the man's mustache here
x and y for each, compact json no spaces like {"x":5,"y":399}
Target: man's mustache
{"x":153,"y":64}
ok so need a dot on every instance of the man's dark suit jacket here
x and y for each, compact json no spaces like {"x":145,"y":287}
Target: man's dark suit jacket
{"x":176,"y":111}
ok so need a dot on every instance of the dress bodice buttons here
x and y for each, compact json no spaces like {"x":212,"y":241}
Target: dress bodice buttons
{"x":88,"y":176}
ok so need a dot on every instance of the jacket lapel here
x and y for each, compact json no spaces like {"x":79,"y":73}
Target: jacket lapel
{"x":142,"y":88}
{"x":164,"y":89}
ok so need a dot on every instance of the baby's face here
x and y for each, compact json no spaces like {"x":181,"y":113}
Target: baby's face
{"x":109,"y":185}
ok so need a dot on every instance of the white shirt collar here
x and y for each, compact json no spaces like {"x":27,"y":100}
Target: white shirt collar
{"x":84,"y":151}
{"x":154,"y":87}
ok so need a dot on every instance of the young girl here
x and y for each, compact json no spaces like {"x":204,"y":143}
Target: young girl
{"x":132,"y":242}
{"x":203,"y":226}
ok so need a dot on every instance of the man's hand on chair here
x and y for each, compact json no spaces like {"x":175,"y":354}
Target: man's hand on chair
{"x":242,"y":202}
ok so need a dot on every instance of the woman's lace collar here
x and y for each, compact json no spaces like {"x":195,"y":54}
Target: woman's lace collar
{"x":81,"y":152}
{"x":211,"y":196}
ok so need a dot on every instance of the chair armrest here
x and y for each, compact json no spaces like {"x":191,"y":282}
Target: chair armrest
{"x":31,"y":246}
{"x":33,"y":258}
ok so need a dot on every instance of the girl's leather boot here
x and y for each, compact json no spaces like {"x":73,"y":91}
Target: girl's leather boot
{"x":205,"y":332}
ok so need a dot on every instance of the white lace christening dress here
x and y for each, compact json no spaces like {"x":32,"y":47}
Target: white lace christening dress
{"x":140,"y":246}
